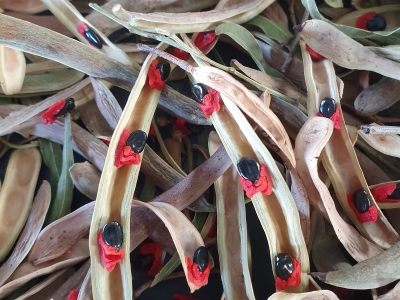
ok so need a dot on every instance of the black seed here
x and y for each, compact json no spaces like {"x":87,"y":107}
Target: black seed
{"x":194,"y":128}
{"x":69,"y":106}
{"x":327,"y":107}
{"x":137,"y":141}
{"x":283,"y":266}
{"x":249,"y":169}
{"x":92,"y":37}
{"x":396,"y":193}
{"x":199,"y":90}
{"x":361,"y":201}
{"x":378,"y":23}
{"x":165,"y":69}
{"x":112,"y":235}
{"x":143,"y":262}
{"x":201,"y":258}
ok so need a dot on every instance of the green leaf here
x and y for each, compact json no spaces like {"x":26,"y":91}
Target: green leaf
{"x":174,"y":262}
{"x":62,"y":202}
{"x":52,"y":157}
{"x":273,"y":31}
{"x":148,"y":191}
{"x":382,"y":37}
{"x":245,"y":39}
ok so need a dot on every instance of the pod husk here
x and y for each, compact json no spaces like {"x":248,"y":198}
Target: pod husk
{"x":85,"y":293}
{"x":19,"y":184}
{"x":316,"y":295}
{"x":322,"y":37}
{"x":192,"y":22}
{"x":24,"y":6}
{"x":375,"y":272}
{"x":386,"y":143}
{"x":231,"y":232}
{"x":12,"y":70}
{"x":386,"y":205}
{"x":30,"y":232}
{"x":86,"y":178}
{"x":342,"y":166}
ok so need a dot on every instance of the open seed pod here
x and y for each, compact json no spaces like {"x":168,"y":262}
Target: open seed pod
{"x":12,"y":70}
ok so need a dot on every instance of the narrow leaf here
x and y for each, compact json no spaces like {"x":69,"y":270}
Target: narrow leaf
{"x":52,"y":157}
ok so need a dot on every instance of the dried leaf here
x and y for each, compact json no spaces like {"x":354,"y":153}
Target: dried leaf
{"x":275,"y":13}
{"x":375,"y":272}
{"x":29,"y":233}
{"x":391,"y":52}
{"x":24,"y":6}
{"x":19,"y":184}
{"x":93,"y":119}
{"x":62,"y":202}
{"x":85,"y":293}
{"x":86,"y":178}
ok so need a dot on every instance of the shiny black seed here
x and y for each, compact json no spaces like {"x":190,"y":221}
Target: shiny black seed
{"x":199,"y":90}
{"x":137,"y":141}
{"x":201,"y":258}
{"x":327,"y":107}
{"x":249,"y":169}
{"x":396,"y":193}
{"x":283,"y":266}
{"x":194,"y":128}
{"x":92,"y":37}
{"x":112,"y":235}
{"x":361,"y":201}
{"x":143,"y":262}
{"x":378,"y":23}
{"x":165,"y":69}
{"x":69,"y":106}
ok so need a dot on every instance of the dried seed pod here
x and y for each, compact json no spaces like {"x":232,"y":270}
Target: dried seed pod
{"x":92,"y":37}
{"x":283,"y":265}
{"x":165,"y":69}
{"x":378,"y":23}
{"x":201,"y":258}
{"x":137,"y":141}
{"x":361,"y":201}
{"x":396,"y":193}
{"x":199,"y":90}
{"x":68,"y":107}
{"x":249,"y":169}
{"x":112,"y":235}
{"x":327,"y":107}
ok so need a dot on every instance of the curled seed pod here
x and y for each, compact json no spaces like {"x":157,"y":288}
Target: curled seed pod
{"x":92,"y":37}
{"x":283,"y":265}
{"x":137,"y":141}
{"x":199,"y":90}
{"x":249,"y":169}
{"x":361,"y":201}
{"x":396,"y":193}
{"x":112,"y":235}
{"x":327,"y":107}
{"x":201,"y":258}
{"x":165,"y":69}
{"x":378,"y":23}
{"x":68,"y":107}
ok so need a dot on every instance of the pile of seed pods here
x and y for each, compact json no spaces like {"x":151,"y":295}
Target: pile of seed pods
{"x":136,"y":164}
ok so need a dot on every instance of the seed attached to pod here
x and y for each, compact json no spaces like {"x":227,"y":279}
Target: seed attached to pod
{"x":68,"y":107}
{"x":137,"y":141}
{"x":92,"y":37}
{"x":361,"y":201}
{"x":378,"y":23}
{"x":396,"y":193}
{"x":283,"y":265}
{"x":327,"y":107}
{"x":112,"y":235}
{"x":199,"y":90}
{"x":201,"y":258}
{"x":165,"y":69}
{"x":249,"y":169}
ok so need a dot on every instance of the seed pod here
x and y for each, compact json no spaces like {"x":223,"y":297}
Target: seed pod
{"x":68,"y":107}
{"x":327,"y":107}
{"x":249,"y":169}
{"x":378,"y":23}
{"x":283,"y":265}
{"x":92,"y":37}
{"x":112,"y":235}
{"x":395,"y":194}
{"x":199,"y":90}
{"x":201,"y":258}
{"x":137,"y":141}
{"x":165,"y":69}
{"x":361,"y":201}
